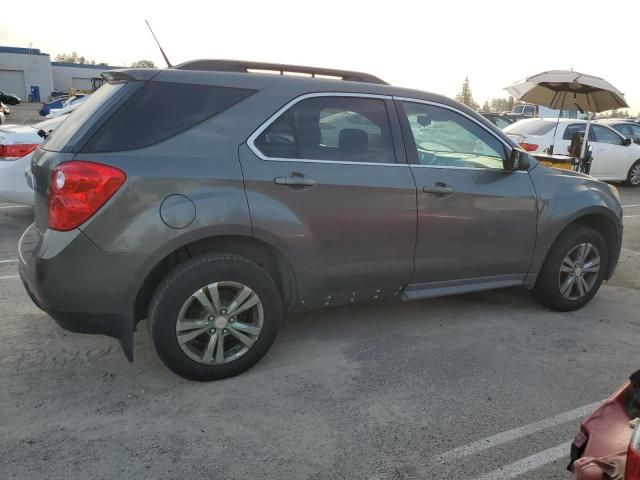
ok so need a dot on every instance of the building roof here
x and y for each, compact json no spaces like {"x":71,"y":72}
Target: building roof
{"x":22,"y":51}
{"x":101,"y":66}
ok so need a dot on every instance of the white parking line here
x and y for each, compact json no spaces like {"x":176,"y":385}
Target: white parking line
{"x":630,"y":251}
{"x":13,"y":260}
{"x":528,"y":464}
{"x":628,"y":206}
{"x":516,"y":433}
{"x":9,"y":277}
{"x":14,"y":206}
{"x":630,"y":216}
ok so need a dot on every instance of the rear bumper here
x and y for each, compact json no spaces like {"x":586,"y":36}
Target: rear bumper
{"x":84,"y":289}
{"x":13,"y":183}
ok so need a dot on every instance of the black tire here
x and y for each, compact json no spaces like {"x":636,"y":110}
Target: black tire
{"x":547,"y":287}
{"x":633,"y":177}
{"x":185,"y":279}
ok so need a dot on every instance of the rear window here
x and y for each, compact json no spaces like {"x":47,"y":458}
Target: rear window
{"x":159,"y":111}
{"x":57,"y":142}
{"x":530,"y":127}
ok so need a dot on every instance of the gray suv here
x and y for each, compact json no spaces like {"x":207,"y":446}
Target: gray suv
{"x":211,"y":198}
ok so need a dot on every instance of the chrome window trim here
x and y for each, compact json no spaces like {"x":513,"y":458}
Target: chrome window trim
{"x":267,"y":123}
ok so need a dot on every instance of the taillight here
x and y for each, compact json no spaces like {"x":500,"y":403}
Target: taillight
{"x":19,"y":150}
{"x":529,"y":147}
{"x":78,"y":189}
{"x":632,"y":471}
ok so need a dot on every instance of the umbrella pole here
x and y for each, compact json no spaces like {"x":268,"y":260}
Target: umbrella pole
{"x":585,"y":139}
{"x":557,"y":123}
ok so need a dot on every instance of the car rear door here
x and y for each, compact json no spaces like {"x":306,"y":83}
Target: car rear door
{"x":328,"y":185}
{"x":476,"y":221}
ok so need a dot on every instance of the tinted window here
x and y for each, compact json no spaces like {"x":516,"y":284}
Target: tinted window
{"x":530,"y":127}
{"x":606,"y":135}
{"x":529,"y":110}
{"x":445,"y":138}
{"x":278,"y":140}
{"x":159,"y":111}
{"x":331,"y":128}
{"x":57,"y":142}
{"x":573,"y":128}
{"x":501,"y":122}
{"x":622,"y":128}
{"x":635,"y":130}
{"x":517,"y":109}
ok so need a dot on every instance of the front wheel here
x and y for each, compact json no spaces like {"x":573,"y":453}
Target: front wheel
{"x":633,"y":178}
{"x":214,"y":316}
{"x":573,"y":271}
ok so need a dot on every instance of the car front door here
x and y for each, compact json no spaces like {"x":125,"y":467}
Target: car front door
{"x":610,"y":155}
{"x":476,"y":221}
{"x":328,"y":185}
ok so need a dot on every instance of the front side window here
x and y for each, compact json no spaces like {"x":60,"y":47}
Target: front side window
{"x":444,"y":138}
{"x":606,"y":135}
{"x":517,"y":109}
{"x":623,"y":129}
{"x":529,"y":110}
{"x":635,"y":131}
{"x":348,"y":129}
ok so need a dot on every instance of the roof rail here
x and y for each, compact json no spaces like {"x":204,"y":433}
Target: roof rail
{"x":262,"y":67}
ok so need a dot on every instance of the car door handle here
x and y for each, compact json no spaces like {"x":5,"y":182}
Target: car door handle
{"x":295,"y":181}
{"x":439,"y":189}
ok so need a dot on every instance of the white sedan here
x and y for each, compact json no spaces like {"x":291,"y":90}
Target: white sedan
{"x":17,"y":144}
{"x":614,"y":157}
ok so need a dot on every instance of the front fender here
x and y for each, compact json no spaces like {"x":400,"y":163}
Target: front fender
{"x":564,"y":197}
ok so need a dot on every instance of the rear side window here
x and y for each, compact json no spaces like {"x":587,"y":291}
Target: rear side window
{"x":530,"y":127}
{"x":573,"y":128}
{"x":161,"y":110}
{"x":348,"y":129}
{"x":59,"y":140}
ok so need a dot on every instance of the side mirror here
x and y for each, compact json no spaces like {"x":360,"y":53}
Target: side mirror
{"x":518,"y":160}
{"x":627,"y":141}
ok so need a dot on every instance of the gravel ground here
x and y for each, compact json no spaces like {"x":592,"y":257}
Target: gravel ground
{"x":370,"y":391}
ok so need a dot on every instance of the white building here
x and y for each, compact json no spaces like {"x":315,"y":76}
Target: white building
{"x":23,"y":68}
{"x":29,"y":74}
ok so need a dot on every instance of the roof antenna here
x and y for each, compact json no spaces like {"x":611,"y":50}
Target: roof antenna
{"x":161,"y":50}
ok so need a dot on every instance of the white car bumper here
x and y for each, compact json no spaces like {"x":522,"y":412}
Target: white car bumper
{"x":13,"y":184}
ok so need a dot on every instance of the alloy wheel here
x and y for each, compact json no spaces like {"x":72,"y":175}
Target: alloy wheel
{"x":219,"y":323}
{"x":634,"y":175}
{"x":579,"y":271}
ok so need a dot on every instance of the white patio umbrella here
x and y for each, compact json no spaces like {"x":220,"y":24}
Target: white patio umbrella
{"x":569,"y":90}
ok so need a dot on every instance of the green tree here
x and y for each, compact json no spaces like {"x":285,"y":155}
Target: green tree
{"x":486,"y":107}
{"x":73,"y":57}
{"x":502,"y":104}
{"x":465,"y":96}
{"x":143,"y":64}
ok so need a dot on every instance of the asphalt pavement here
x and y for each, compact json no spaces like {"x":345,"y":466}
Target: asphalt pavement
{"x":483,"y":386}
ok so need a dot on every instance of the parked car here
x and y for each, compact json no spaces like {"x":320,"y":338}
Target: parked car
{"x":9,"y":98}
{"x":626,"y":128}
{"x":522,"y":111}
{"x":68,"y":106}
{"x":210,"y":199}
{"x":60,"y":102}
{"x":17,"y":144}
{"x":4,"y":111}
{"x":497,"y":119}
{"x":608,"y":444}
{"x":615,"y":158}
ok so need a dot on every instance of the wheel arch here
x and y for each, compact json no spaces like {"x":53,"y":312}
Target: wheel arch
{"x":264,"y":254}
{"x":603,"y":222}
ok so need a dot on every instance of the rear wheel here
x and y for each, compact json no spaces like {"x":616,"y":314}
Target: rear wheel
{"x":214,"y":317}
{"x":573,"y":271}
{"x":633,"y":178}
